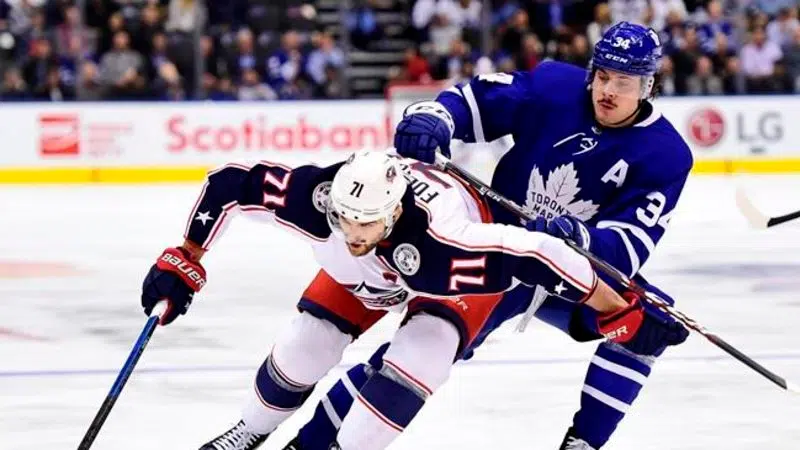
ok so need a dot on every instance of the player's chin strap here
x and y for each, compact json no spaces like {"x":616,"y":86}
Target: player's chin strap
{"x":446,"y":165}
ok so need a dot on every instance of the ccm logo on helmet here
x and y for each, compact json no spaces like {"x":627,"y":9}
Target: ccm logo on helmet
{"x":184,"y":268}
{"x":616,"y":58}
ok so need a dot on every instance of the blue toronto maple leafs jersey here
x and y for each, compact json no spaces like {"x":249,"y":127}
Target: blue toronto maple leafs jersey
{"x":622,"y":182}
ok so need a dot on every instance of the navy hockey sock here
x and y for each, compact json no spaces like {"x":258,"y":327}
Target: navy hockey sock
{"x":612,"y":383}
{"x":278,"y":391}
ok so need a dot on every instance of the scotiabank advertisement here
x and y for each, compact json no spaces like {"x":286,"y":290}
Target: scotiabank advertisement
{"x":113,"y":134}
{"x":208,"y":134}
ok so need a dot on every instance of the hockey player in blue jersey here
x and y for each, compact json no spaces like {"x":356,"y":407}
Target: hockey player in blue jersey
{"x":598,"y":164}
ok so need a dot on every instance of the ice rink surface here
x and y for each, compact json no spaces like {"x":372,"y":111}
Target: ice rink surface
{"x":72,"y":259}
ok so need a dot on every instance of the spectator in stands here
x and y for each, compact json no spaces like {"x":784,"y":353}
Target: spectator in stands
{"x":41,"y":60}
{"x":667,"y":77}
{"x":449,"y":67}
{"x":421,"y":18}
{"x":781,"y":30}
{"x":416,"y":68}
{"x":716,"y":24}
{"x":703,"y":81}
{"x":53,"y":89}
{"x":662,"y":8}
{"x":157,"y":56}
{"x":244,"y":57}
{"x":13,"y":87}
{"x":167,"y":83}
{"x":627,"y":10}
{"x":284,"y":65}
{"x":185,"y":15}
{"x":362,"y":24}
{"x":602,"y":22}
{"x":531,"y":54}
{"x":758,"y":63}
{"x":90,"y":87}
{"x":325,"y":57}
{"x":252,"y":89}
{"x":685,"y":59}
{"x":223,"y":90}
{"x":721,"y":52}
{"x":791,"y":56}
{"x":69,"y":62}
{"x":511,"y":37}
{"x":116,"y":23}
{"x":65,"y":32}
{"x":733,"y":80}
{"x":34,"y":31}
{"x":149,"y":26}
{"x":580,"y":52}
{"x":463,"y":15}
{"x":121,"y":69}
{"x":334,"y":86}
{"x":773,"y":7}
{"x":672,"y":36}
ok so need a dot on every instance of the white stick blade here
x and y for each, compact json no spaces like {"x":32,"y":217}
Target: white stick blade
{"x":753,"y":215}
{"x":791,"y":387}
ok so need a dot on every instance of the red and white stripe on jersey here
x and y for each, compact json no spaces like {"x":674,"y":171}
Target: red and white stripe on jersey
{"x":455,"y":224}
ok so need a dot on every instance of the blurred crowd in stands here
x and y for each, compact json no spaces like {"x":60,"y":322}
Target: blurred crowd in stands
{"x":277,"y":49}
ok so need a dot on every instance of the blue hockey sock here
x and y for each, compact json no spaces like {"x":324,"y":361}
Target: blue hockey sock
{"x":612,"y":383}
{"x":320,"y":431}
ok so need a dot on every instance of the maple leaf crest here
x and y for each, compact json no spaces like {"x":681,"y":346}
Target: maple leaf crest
{"x":557,"y":196}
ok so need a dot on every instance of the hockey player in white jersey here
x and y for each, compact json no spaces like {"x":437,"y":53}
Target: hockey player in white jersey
{"x":389,"y":235}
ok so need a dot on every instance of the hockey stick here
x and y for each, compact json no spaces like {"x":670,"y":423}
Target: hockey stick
{"x":444,"y":164}
{"x":755,"y":217}
{"x":122,"y":378}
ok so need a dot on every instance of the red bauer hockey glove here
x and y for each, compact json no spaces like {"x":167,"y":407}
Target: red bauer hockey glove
{"x":174,"y":278}
{"x":640,"y":330}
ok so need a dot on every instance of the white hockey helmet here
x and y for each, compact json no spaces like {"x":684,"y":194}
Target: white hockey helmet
{"x":368,"y":187}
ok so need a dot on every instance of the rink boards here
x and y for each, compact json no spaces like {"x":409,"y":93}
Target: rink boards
{"x":175,"y":142}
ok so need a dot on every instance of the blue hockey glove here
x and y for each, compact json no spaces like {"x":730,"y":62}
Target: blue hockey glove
{"x":641,"y":327}
{"x":564,"y":227}
{"x":426,"y":126}
{"x":175,"y":278}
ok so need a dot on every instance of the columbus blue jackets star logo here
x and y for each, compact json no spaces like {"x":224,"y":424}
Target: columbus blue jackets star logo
{"x":204,"y":217}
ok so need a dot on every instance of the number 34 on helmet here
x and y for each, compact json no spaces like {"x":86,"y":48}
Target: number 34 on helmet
{"x":631,"y":49}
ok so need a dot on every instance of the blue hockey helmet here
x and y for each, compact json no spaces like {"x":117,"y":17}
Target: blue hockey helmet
{"x":631,"y":49}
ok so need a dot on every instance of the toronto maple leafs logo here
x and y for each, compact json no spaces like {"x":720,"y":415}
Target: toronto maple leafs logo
{"x":557,"y":196}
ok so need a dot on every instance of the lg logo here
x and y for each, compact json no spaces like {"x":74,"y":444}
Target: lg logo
{"x":706,"y":127}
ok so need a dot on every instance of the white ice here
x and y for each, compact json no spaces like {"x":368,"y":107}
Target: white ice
{"x":63,"y":339}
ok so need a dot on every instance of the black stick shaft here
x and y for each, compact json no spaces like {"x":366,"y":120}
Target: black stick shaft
{"x":116,"y":388}
{"x":783,"y":219}
{"x":618,"y":276}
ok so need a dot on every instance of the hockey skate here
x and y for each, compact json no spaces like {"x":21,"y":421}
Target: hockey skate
{"x":573,"y":443}
{"x":237,"y":438}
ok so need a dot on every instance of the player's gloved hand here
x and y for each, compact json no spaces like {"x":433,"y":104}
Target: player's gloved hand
{"x":641,"y":328}
{"x":564,"y":227}
{"x":175,"y":278}
{"x":426,"y":126}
